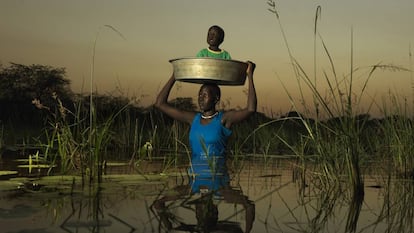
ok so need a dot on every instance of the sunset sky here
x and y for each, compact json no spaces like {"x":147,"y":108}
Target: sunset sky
{"x":135,"y":39}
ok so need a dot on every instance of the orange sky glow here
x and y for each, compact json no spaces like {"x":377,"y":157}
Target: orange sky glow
{"x":132,"y":53}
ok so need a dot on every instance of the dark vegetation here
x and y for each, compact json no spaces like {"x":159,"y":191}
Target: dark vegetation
{"x":33,"y":99}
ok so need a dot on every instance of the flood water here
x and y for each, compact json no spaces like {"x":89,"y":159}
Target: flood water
{"x":124,"y":202}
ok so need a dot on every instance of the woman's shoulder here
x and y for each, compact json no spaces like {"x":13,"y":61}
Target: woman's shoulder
{"x":197,"y":116}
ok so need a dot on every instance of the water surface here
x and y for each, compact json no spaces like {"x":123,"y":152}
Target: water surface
{"x":123,"y":202}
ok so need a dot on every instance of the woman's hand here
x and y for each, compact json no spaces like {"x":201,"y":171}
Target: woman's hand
{"x":250,"y":68}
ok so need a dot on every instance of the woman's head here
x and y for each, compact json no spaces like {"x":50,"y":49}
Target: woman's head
{"x":206,"y":214}
{"x":208,"y":96}
{"x":207,"y":219}
{"x":215,"y":36}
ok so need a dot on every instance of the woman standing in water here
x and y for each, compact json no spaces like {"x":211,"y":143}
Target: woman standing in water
{"x":209,"y":130}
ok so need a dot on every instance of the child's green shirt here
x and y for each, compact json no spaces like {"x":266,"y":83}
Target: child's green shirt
{"x":223,"y":54}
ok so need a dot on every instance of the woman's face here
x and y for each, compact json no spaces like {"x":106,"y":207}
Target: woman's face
{"x":206,"y":99}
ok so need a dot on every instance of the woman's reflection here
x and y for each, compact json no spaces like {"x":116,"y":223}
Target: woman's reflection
{"x":203,"y":197}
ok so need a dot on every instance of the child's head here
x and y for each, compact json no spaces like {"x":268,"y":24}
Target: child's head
{"x":215,"y":36}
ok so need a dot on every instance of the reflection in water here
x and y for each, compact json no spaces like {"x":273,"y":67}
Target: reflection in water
{"x":326,"y":208}
{"x":259,"y":199}
{"x":354,"y":209}
{"x":398,"y":207}
{"x":88,"y":214}
{"x":17,"y":211}
{"x":202,"y":196}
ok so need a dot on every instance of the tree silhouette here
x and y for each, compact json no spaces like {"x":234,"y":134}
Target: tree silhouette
{"x":24,"y":83}
{"x":21,"y":84}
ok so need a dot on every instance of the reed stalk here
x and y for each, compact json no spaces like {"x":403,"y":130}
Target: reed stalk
{"x":1,"y":139}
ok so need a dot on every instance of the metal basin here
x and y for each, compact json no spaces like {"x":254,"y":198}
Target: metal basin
{"x":204,"y":69}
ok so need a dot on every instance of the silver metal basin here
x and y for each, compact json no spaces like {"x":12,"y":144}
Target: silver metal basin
{"x":204,"y":69}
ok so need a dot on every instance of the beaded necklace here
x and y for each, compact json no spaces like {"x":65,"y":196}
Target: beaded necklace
{"x":209,"y":117}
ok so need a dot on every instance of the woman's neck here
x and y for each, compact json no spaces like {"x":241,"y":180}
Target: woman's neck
{"x":209,"y":114}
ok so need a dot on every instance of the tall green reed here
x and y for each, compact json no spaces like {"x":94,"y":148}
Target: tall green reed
{"x":74,"y":142}
{"x":98,"y":136}
{"x":396,"y":133}
{"x":76,"y":145}
{"x":1,"y":139}
{"x":343,"y":139}
{"x":336,"y":143}
{"x":340,"y":133}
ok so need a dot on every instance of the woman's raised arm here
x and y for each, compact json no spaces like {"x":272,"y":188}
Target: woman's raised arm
{"x":162,"y":104}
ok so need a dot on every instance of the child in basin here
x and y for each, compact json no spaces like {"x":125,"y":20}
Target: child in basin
{"x":215,"y":37}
